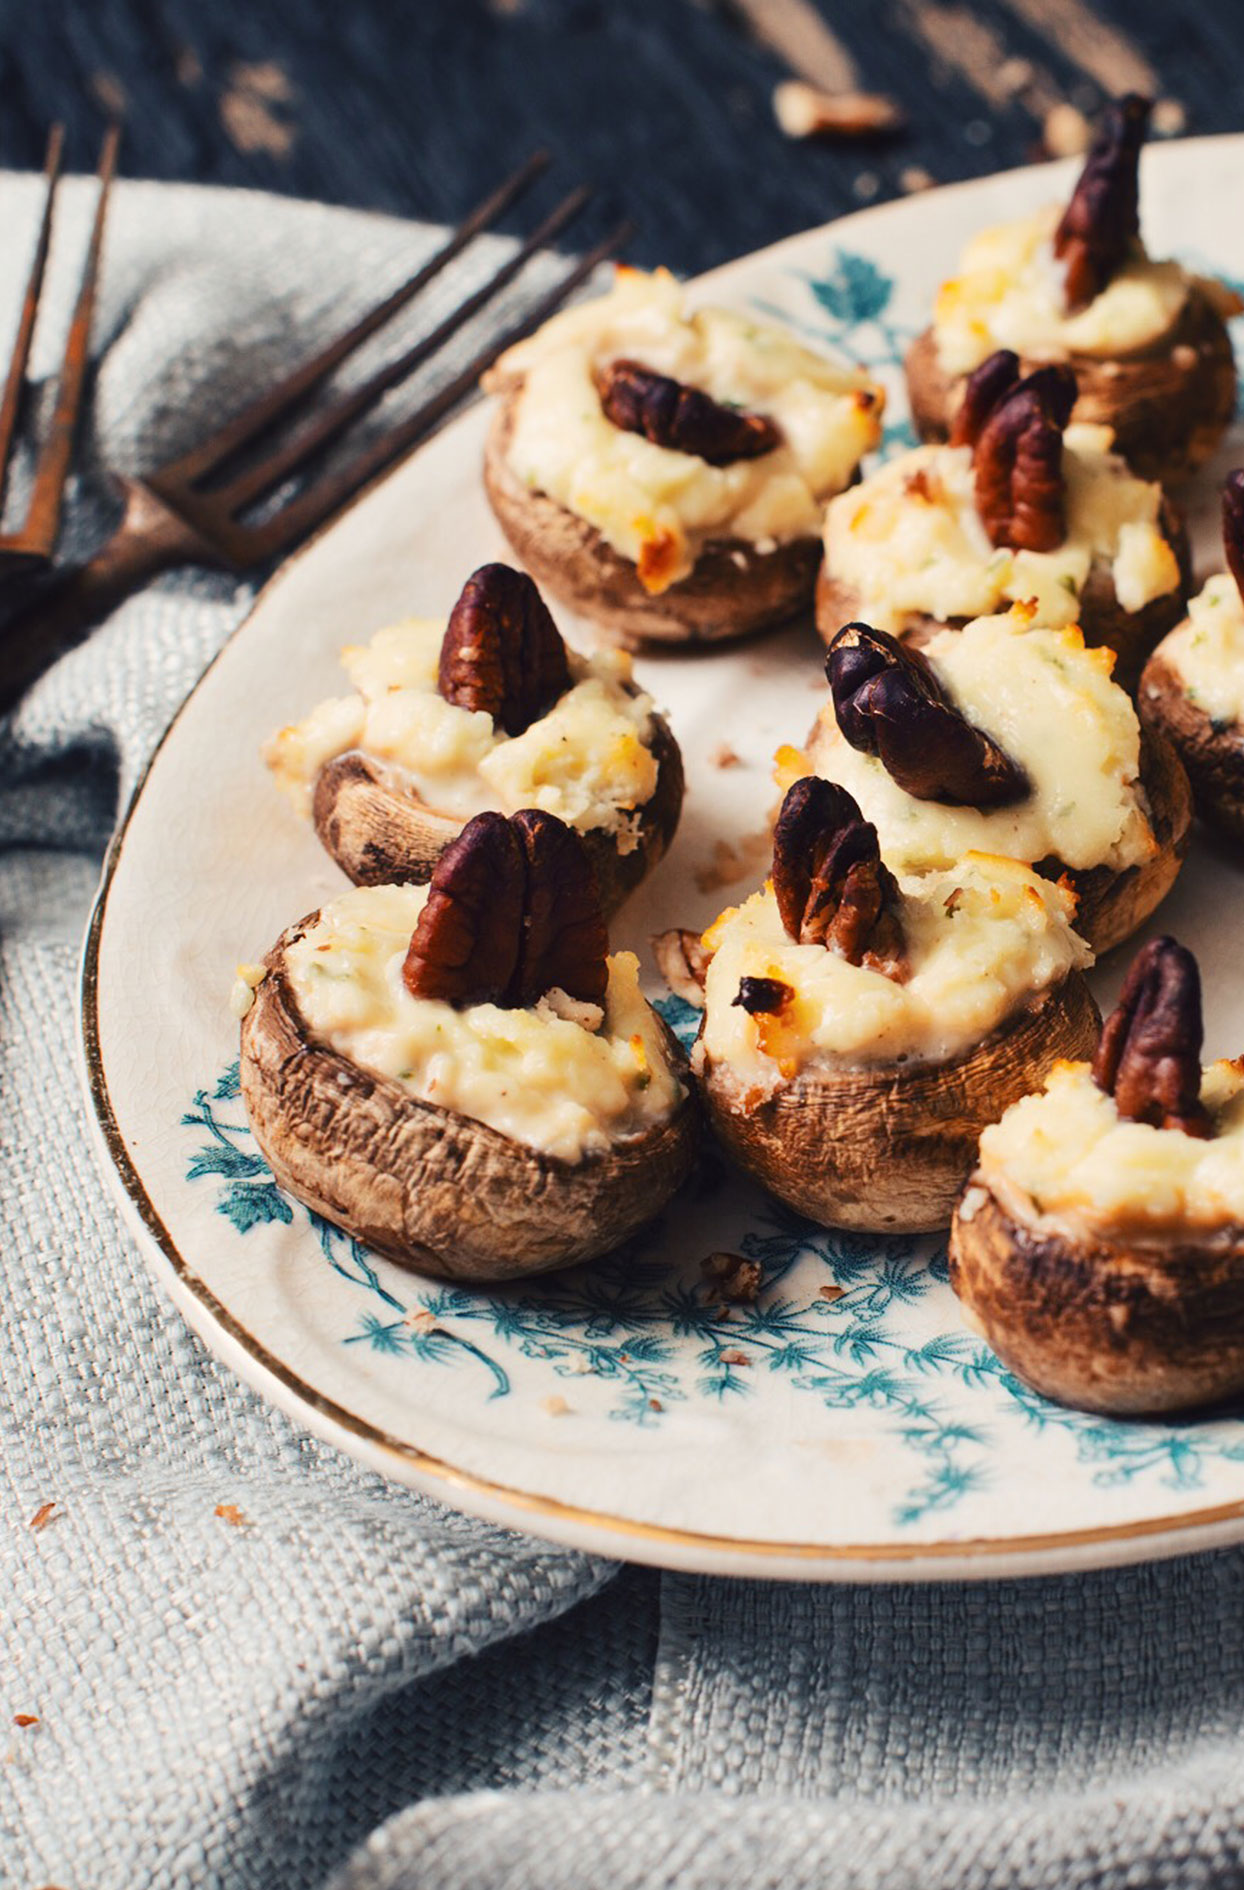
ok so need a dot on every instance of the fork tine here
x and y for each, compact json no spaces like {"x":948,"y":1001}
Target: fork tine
{"x":304,"y":513}
{"x":43,"y":513}
{"x":11,"y":399}
{"x":261,"y":413}
{"x":259,"y":479}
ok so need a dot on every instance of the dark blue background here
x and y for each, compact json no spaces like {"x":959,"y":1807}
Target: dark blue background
{"x":416,"y":106}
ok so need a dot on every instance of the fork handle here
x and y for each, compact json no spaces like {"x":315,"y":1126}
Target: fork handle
{"x":149,"y":539}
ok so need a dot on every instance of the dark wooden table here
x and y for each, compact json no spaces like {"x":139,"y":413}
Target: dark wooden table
{"x":417,"y":107}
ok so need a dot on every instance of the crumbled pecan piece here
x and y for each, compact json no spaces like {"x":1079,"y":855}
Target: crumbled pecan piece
{"x":1104,"y":213}
{"x":736,"y":1278}
{"x":1233,"y":526}
{"x":682,"y":418}
{"x":889,"y":703}
{"x":1149,"y":1056}
{"x":763,"y":996}
{"x":829,"y":881}
{"x":1018,"y":462}
{"x":982,"y":391}
{"x":512,"y":912}
{"x":502,"y":652}
{"x":682,"y":961}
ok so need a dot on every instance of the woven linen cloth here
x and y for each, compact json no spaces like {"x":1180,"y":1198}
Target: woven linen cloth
{"x":336,"y":1682}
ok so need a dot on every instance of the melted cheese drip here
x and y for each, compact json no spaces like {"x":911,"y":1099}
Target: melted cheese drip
{"x":1207,"y":652}
{"x":982,"y":938}
{"x":562,"y":1078}
{"x":1067,"y":1154}
{"x":1008,"y":293}
{"x":589,"y":760}
{"x":909,"y":539}
{"x":1050,"y":704}
{"x":655,"y":506}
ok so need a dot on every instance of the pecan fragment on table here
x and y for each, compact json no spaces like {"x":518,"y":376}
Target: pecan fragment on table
{"x":1103,"y":215}
{"x":1233,"y":526}
{"x":1017,"y":459}
{"x":502,"y":652}
{"x":1149,"y":1056}
{"x":512,"y":912}
{"x":829,"y":880}
{"x":683,"y":418}
{"x":889,"y":703}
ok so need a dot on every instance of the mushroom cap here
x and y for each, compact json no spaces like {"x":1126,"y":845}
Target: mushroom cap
{"x":1212,"y":755}
{"x":1112,"y":904}
{"x":1102,"y":1324}
{"x":427,"y":1186}
{"x":886,"y":1149}
{"x":1169,"y":402}
{"x":1132,"y":635}
{"x":733,"y":591}
{"x":373,"y":823}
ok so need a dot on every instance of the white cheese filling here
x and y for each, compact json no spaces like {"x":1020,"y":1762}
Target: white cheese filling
{"x":656,"y":506}
{"x":909,"y":539}
{"x":589,"y":760}
{"x":1050,"y":705}
{"x":1207,"y":651}
{"x":1008,"y":293}
{"x":566,"y":1078}
{"x":982,"y":938}
{"x":1067,"y":1154}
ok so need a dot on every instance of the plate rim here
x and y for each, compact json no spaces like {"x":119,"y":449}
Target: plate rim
{"x":578,"y":1526}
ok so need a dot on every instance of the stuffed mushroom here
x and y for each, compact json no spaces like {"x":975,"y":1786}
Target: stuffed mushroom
{"x":663,"y":472}
{"x":1099,"y":1245}
{"x":1006,"y":737}
{"x":859,"y":1030}
{"x":1019,"y":505}
{"x":1192,"y":688}
{"x":1147,"y":340}
{"x":491,"y":712}
{"x":458,"y":1074}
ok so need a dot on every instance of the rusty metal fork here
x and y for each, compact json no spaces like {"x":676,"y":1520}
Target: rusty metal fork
{"x":192,"y":510}
{"x":33,"y":543}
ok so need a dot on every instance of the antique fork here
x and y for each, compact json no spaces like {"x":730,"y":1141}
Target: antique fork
{"x":33,"y":543}
{"x":187,"y":513}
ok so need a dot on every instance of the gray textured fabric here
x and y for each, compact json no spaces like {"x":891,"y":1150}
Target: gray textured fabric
{"x":351,"y":1669}
{"x":216,"y":1704}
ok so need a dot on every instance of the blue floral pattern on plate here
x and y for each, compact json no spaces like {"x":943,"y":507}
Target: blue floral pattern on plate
{"x":661,"y":1337}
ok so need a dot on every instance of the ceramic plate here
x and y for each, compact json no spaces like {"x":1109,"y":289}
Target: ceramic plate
{"x":846,"y":1425}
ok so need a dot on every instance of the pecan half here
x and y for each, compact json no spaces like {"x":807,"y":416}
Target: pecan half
{"x":564,"y":938}
{"x":829,"y":881}
{"x":501,"y":651}
{"x":1233,"y":526}
{"x":1149,"y":1057}
{"x":767,"y":996}
{"x":982,"y":391}
{"x":512,"y":912}
{"x":1018,"y":462}
{"x":637,"y":400}
{"x":889,"y":703}
{"x":1104,"y":213}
